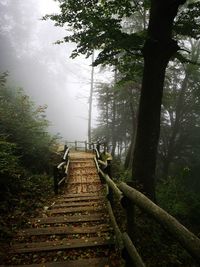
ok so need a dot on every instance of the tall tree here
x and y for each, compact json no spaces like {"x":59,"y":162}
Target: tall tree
{"x":158,"y":49}
{"x":90,"y":101}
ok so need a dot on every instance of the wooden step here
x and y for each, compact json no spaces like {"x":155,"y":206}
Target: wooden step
{"x":84,"y":174}
{"x":60,"y":244}
{"x":61,"y":230}
{"x":82,"y":195}
{"x":94,"y":262}
{"x":77,"y":199}
{"x":75,"y":209}
{"x":71,"y":219}
{"x":96,"y":181}
{"x":78,"y":204}
{"x":73,"y":160}
{"x":86,"y":165}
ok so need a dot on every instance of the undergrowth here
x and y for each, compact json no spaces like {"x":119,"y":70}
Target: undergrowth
{"x":24,"y":198}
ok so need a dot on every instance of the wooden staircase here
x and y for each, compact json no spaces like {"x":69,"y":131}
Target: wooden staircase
{"x":75,"y":230}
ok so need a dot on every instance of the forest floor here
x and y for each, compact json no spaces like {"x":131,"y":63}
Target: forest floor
{"x":17,"y":210}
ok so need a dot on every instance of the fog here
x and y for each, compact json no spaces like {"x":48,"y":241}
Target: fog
{"x":43,"y":69}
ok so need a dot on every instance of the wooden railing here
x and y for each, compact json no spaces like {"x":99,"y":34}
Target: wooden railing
{"x":85,"y":146}
{"x":80,"y":145}
{"x":61,"y":171}
{"x":129,"y":197}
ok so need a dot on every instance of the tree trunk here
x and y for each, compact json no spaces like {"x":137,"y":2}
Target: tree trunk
{"x":129,"y":156}
{"x":90,"y":102}
{"x":158,"y":49}
{"x":113,"y":131}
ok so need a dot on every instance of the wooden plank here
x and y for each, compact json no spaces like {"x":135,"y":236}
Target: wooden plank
{"x":76,"y":209}
{"x":77,"y":204}
{"x":83,"y":173}
{"x":69,"y":219}
{"x":94,"y":262}
{"x":82,"y":195}
{"x":85,"y":165}
{"x":73,"y":160}
{"x":60,"y":245}
{"x":77,"y":199}
{"x":61,"y":230}
{"x":85,"y":182}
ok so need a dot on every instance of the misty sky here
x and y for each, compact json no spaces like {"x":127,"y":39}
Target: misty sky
{"x":44,"y":70}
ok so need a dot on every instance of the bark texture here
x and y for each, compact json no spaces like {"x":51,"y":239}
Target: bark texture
{"x":158,"y":49}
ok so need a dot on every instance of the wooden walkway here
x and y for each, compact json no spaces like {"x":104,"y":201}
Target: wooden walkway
{"x":75,"y":230}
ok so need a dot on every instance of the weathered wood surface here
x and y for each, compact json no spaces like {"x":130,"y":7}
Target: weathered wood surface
{"x":78,"y":219}
{"x":75,"y":209}
{"x":60,"y":244}
{"x":187,"y":239}
{"x":71,"y":219}
{"x":61,"y":230}
{"x":74,"y":199}
{"x":96,"y":262}
{"x":78,"y":204}
{"x":132,"y":251}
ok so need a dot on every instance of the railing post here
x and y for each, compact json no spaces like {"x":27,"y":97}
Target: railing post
{"x":86,"y":146}
{"x":65,"y":148}
{"x":110,"y":196}
{"x":98,"y":147}
{"x":55,"y":177}
{"x":130,"y":227}
{"x":129,"y":206}
{"x":127,"y":258}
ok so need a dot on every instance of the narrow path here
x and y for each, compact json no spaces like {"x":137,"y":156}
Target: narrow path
{"x":75,"y":230}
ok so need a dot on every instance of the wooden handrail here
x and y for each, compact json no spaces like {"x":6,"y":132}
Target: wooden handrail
{"x":97,"y":153}
{"x":112,"y":184}
{"x":66,"y":154}
{"x":97,"y":165}
{"x":132,"y":251}
{"x":122,"y":240}
{"x":186,"y":238}
{"x":61,"y":165}
{"x":88,"y":146}
{"x":60,"y":171}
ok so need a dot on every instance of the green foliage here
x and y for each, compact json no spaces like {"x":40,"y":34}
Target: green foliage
{"x":26,"y":148}
{"x":188,"y":22}
{"x":117,"y":169}
{"x":117,"y":29}
{"x":8,"y":160}
{"x":179,"y":200}
{"x":101,"y":25}
{"x":25,"y":125}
